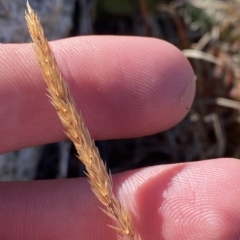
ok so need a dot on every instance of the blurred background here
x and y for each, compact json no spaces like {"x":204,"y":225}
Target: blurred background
{"x":208,"y":33}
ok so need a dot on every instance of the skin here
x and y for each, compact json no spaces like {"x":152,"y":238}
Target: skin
{"x":125,"y":87}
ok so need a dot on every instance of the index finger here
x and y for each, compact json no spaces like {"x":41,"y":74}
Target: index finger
{"x":123,"y":86}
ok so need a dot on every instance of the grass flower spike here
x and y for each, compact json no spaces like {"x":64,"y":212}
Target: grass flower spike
{"x":60,"y":97}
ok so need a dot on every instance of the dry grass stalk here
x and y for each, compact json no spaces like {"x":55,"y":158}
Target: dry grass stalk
{"x":60,"y":97}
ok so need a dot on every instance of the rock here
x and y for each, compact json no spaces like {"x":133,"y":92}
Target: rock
{"x":56,"y":18}
{"x":19,"y":165}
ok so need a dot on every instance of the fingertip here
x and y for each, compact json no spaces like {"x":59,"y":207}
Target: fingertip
{"x":184,"y":201}
{"x":123,"y":86}
{"x":175,"y":86}
{"x":202,"y":201}
{"x":155,"y":80}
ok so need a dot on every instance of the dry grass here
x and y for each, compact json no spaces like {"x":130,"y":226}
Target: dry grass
{"x":215,"y":58}
{"x":208,"y":31}
{"x":60,"y":97}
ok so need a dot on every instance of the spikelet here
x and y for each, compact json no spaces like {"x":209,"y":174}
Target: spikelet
{"x":60,"y":97}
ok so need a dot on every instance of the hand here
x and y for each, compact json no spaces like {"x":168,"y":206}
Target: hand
{"x":125,"y":87}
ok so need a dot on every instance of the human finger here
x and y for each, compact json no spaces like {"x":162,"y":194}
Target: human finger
{"x":124,"y":87}
{"x":182,"y":201}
